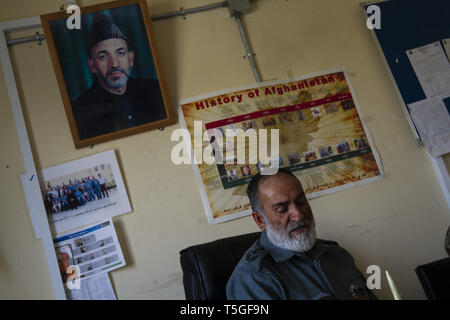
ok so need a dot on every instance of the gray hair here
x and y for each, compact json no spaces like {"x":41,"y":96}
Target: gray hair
{"x":253,"y":188}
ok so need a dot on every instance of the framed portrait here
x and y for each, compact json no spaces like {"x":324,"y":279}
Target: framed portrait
{"x":108,"y":71}
{"x":83,"y":191}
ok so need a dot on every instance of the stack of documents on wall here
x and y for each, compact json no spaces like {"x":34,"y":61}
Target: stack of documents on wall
{"x":431,"y":116}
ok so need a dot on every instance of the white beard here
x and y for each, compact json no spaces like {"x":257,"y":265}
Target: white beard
{"x":302,"y":242}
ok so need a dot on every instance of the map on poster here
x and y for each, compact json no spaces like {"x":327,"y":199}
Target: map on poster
{"x":322,"y":138}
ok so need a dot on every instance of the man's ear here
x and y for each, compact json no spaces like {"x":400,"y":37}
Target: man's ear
{"x":131,"y":55}
{"x":259,"y":219}
{"x":91,"y":66}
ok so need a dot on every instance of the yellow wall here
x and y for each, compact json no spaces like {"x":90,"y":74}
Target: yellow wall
{"x":397,"y":223}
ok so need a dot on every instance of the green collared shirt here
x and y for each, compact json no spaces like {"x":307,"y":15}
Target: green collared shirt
{"x":266,"y":271}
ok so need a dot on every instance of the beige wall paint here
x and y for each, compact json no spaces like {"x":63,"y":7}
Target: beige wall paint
{"x":396,"y":223}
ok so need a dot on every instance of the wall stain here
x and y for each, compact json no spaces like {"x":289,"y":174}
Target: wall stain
{"x":353,"y":226}
{"x":174,"y":280}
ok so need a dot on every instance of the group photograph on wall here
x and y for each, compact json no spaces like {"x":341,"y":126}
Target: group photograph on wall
{"x":108,"y":71}
{"x":83,"y":191}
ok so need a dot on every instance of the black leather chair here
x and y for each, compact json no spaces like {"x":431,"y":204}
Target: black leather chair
{"x":435,"y":279}
{"x":207,"y":267}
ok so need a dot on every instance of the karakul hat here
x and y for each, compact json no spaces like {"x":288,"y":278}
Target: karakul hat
{"x":103,"y":28}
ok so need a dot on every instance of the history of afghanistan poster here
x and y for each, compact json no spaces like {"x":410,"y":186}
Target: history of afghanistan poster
{"x":321,"y":138}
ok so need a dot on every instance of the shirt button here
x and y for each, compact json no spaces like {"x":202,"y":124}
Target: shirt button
{"x":129,"y":117}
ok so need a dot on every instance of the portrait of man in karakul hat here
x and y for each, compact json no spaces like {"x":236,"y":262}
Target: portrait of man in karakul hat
{"x":114,"y":101}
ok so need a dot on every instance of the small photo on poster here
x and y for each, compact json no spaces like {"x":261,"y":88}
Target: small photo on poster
{"x":300,"y":115}
{"x":361,"y":143}
{"x":248,"y":125}
{"x":325,"y":152}
{"x":343,"y":147}
{"x":246,"y":171}
{"x":293,"y":158}
{"x":83,"y":191}
{"x":346,"y":105}
{"x":309,"y":156}
{"x":285,"y":118}
{"x":232,"y":175}
{"x":331,"y":107}
{"x":269,"y":121}
{"x":65,"y":259}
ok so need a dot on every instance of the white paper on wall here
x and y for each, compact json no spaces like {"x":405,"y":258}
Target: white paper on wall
{"x":431,"y":67}
{"x":432,"y":120}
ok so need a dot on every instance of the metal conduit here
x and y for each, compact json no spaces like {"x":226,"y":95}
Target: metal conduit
{"x":37,"y":37}
{"x":250,"y":55}
{"x":182,"y":12}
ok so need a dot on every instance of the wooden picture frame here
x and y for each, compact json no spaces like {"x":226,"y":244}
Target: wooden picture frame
{"x":108,"y":71}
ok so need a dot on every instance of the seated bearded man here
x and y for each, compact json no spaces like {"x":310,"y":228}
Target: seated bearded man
{"x":288,"y":262}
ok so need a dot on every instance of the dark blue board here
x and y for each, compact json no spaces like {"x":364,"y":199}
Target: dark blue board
{"x":408,"y":24}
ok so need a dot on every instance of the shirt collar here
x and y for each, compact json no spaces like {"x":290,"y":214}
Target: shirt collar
{"x":281,"y":254}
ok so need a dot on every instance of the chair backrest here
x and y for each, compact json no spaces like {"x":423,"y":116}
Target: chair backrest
{"x":207,"y":267}
{"x":435,"y":279}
